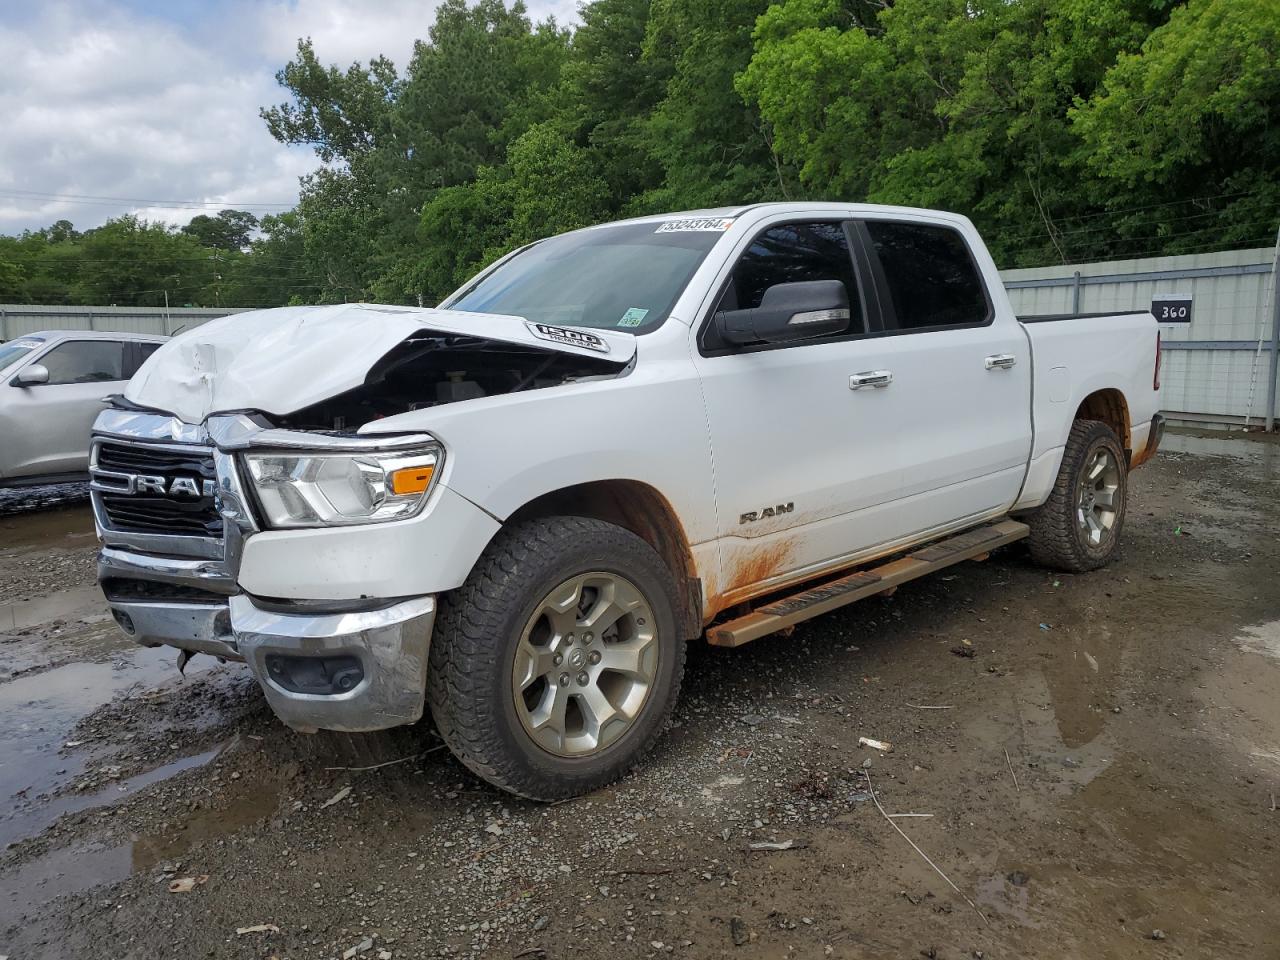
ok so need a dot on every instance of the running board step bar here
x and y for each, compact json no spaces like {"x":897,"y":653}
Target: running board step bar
{"x":815,"y":601}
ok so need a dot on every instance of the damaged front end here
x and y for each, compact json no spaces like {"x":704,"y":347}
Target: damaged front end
{"x":249,"y":510}
{"x":171,"y":563}
{"x":430,"y":369}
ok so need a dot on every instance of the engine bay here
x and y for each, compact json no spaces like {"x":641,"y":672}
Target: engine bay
{"x":429,"y":369}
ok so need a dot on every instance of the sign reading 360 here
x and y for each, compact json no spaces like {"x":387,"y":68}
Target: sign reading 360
{"x":1171,"y":309}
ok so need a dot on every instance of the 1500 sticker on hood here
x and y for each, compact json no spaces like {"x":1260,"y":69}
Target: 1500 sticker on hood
{"x":569,"y":336}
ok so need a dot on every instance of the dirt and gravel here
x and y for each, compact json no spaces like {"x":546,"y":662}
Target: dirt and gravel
{"x":1098,"y":779}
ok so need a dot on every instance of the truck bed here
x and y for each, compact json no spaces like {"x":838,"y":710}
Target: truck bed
{"x":1047,"y":317}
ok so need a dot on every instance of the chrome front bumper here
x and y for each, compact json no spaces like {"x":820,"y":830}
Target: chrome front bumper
{"x":383,"y":651}
{"x":390,"y":644}
{"x":363,"y":668}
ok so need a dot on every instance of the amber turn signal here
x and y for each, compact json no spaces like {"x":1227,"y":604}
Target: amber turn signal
{"x":411,"y":479}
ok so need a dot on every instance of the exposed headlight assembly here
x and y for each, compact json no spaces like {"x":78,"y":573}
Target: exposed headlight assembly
{"x":304,"y":489}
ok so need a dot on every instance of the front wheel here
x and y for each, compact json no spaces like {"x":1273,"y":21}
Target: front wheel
{"x":1078,"y":527}
{"x":556,"y":665}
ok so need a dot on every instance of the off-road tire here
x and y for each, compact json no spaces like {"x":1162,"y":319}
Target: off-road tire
{"x":1057,"y":539}
{"x":478,"y":627}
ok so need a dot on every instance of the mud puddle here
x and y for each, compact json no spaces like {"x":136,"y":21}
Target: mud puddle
{"x":44,"y":708}
{"x":85,"y":864}
{"x":1263,"y":639}
{"x":1234,"y":445}
{"x":79,"y":603}
{"x":65,"y":528}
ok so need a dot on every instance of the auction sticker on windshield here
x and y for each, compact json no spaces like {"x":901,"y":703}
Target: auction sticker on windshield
{"x":705,"y":224}
{"x":633,"y":317}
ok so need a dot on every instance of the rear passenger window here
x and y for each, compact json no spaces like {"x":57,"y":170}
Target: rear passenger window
{"x":788,"y":253}
{"x":932,"y":279}
{"x":139,"y":351}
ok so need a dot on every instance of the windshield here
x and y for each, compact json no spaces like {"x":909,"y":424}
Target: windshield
{"x":624,"y":277}
{"x":14,"y":350}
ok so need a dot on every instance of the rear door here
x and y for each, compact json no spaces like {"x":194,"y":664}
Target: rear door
{"x":962,"y":374}
{"x":49,"y":423}
{"x":805,"y":467}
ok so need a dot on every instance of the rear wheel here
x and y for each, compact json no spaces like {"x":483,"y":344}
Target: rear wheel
{"x":556,"y":665}
{"x":1078,"y":527}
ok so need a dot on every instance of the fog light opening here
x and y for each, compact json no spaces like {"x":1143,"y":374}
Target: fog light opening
{"x":319,"y":676}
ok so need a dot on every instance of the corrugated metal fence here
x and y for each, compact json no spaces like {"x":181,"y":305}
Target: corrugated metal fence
{"x":1216,"y":369}
{"x":17,"y":319}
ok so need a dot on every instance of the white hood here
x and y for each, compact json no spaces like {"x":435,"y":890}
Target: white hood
{"x":279,"y":361}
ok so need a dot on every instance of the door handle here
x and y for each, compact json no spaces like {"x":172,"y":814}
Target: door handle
{"x":1001,"y":361}
{"x":870,"y":378}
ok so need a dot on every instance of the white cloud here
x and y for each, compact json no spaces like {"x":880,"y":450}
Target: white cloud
{"x":99,"y":99}
{"x":343,"y":31}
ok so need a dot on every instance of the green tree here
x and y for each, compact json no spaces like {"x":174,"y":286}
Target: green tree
{"x":389,"y":143}
{"x":547,"y":186}
{"x":342,"y":115}
{"x":713,"y":147}
{"x":946,"y":103}
{"x":1194,"y":113}
{"x":609,"y":89}
{"x":228,"y":230}
{"x":274,"y":271}
{"x":11,"y":275}
{"x":131,"y":261}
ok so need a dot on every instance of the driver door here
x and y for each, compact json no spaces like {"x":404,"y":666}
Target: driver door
{"x":807,"y":467}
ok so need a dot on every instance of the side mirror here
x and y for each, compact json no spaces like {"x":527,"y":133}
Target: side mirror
{"x":31,"y":376}
{"x":789,"y":311}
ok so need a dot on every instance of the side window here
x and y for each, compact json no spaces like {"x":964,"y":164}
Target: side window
{"x":85,"y":361}
{"x":787,"y":253}
{"x":932,"y":279}
{"x":138,"y":353}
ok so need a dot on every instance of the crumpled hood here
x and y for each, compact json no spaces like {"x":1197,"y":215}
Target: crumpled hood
{"x":282,"y":360}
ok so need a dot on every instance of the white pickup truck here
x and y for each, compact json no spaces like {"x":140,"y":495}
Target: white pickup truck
{"x":518,"y":508}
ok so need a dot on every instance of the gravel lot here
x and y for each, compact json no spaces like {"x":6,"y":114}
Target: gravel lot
{"x":1098,"y":780}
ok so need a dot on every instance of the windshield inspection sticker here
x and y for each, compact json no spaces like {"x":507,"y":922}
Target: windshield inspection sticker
{"x":633,"y":317}
{"x":704,"y":224}
{"x":570,"y":336}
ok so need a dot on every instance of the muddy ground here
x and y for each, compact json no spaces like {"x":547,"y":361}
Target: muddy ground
{"x":1138,"y":709}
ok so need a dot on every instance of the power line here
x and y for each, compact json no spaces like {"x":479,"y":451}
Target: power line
{"x":1128,"y":226}
{"x":89,"y":198}
{"x":47,"y":258}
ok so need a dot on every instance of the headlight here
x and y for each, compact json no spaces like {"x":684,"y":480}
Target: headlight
{"x":335,"y":489}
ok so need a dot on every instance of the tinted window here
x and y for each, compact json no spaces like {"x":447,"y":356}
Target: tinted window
{"x":624,"y":277}
{"x":85,"y":361}
{"x":793,"y":252}
{"x":932,"y":280}
{"x":140,"y":351}
{"x":785,"y":253}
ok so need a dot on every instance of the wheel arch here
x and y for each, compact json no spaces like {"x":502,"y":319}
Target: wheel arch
{"x":643,"y":510}
{"x":1109,"y":406}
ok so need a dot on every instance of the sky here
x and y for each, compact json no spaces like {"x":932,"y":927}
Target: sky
{"x":151,"y":106}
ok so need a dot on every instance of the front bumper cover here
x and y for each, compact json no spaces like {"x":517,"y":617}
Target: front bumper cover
{"x":390,"y":643}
